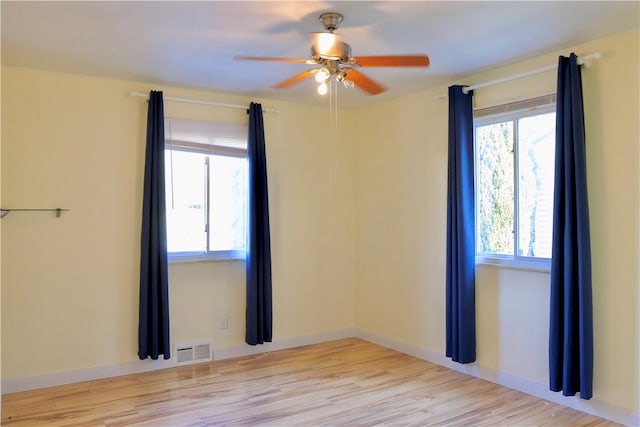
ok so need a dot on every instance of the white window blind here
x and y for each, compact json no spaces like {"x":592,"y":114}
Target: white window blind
{"x":210,"y":137}
{"x":531,"y":104}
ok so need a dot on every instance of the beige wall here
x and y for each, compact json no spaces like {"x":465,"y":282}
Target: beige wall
{"x":402,"y":214}
{"x":70,"y":293}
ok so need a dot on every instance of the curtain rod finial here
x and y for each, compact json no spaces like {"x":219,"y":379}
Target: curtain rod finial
{"x":586,"y":60}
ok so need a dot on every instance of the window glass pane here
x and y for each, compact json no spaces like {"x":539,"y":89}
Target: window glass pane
{"x":494,"y":188}
{"x":185,"y":182}
{"x":536,"y":147}
{"x":227,"y":203}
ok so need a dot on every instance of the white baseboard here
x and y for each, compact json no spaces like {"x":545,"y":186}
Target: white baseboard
{"x":592,"y":406}
{"x":247,"y":350}
{"x":138,"y":366}
{"x":85,"y":374}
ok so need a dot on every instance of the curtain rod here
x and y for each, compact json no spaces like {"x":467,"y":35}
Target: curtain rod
{"x":581,"y":60}
{"x":200,"y":102}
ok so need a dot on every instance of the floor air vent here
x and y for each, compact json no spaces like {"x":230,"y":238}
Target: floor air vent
{"x":194,"y":352}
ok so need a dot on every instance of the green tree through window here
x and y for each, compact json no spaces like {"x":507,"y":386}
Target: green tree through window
{"x":494,"y":151}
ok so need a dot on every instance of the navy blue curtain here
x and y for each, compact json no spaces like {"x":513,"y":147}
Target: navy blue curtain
{"x":571,"y":322}
{"x":259,"y":316}
{"x":153,"y":323}
{"x":461,"y":297}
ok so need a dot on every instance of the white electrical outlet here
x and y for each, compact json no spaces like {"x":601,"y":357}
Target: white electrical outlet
{"x":223,"y":321}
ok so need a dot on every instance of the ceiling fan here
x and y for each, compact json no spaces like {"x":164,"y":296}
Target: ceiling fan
{"x":333,"y":58}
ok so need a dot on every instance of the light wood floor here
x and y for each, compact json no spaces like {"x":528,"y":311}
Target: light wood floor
{"x":346,"y":382}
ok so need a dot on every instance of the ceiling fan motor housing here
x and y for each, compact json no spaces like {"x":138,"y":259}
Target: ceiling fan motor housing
{"x":338,"y":51}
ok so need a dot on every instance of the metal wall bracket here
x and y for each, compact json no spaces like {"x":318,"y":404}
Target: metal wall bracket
{"x":58,"y":211}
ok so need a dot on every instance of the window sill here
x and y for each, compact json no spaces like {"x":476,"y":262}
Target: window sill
{"x":184,"y":257}
{"x":535,"y":264}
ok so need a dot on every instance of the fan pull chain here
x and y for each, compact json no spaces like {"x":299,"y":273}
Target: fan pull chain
{"x":333,"y":119}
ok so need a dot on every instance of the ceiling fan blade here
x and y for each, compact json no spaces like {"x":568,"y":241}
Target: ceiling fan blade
{"x":392,"y":61}
{"x":365,"y":83}
{"x":295,"y":79}
{"x":270,"y":58}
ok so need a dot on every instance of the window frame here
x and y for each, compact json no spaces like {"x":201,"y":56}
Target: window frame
{"x":210,"y":148}
{"x":498,"y":114}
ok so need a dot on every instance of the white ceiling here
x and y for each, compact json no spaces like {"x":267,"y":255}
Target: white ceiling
{"x":192,"y":44}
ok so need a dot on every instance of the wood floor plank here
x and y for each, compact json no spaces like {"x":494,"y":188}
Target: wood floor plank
{"x":347,"y":382}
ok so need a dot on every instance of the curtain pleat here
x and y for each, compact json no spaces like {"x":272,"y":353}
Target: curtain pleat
{"x":258,"y":267}
{"x":153,"y":323}
{"x":460,"y":268}
{"x":571,"y":316}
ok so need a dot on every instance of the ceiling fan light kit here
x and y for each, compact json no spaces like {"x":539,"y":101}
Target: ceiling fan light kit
{"x":333,"y":56}
{"x":322,"y":74}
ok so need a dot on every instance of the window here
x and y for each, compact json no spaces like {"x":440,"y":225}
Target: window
{"x":514,"y":165}
{"x":206,"y":182}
